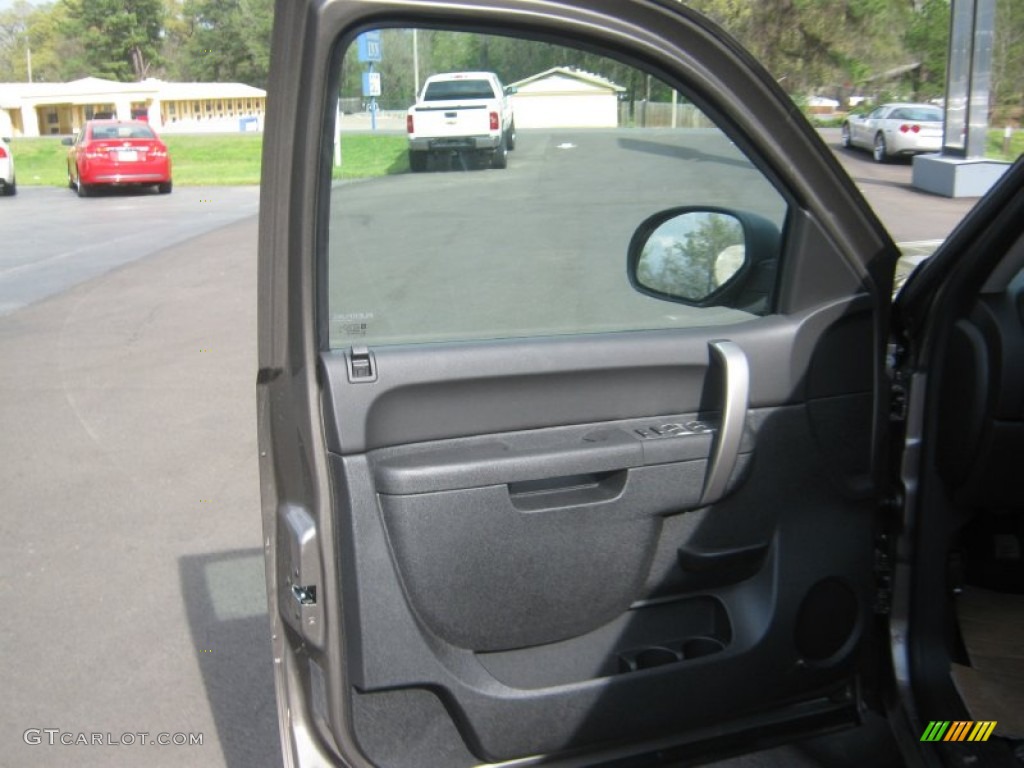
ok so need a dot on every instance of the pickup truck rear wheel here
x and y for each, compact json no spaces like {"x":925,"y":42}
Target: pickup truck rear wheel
{"x":511,"y":140}
{"x":418,"y":161}
{"x":500,"y":157}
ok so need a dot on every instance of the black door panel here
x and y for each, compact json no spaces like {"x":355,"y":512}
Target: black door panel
{"x":513,"y":618}
{"x":506,"y":556}
{"x":432,"y":392}
{"x":559,"y":467}
{"x":533,"y":590}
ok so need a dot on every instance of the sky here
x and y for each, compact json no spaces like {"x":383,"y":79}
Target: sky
{"x":5,"y":4}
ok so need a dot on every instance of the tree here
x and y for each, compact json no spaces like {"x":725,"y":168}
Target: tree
{"x":55,"y":56}
{"x":810,"y":44}
{"x":696,"y":257}
{"x":120,"y":39}
{"x":927,"y":41}
{"x":14,"y":41}
{"x":511,"y":58}
{"x":1008,"y":54}
{"x":224,"y":40}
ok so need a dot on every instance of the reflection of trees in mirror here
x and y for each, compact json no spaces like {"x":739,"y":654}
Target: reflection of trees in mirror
{"x":692,"y":255}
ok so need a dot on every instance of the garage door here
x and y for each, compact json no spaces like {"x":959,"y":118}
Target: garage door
{"x":566,"y":110}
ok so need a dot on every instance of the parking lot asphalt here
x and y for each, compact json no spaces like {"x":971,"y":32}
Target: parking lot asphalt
{"x":130,"y":543}
{"x":909,"y":214}
{"x":52,"y":240}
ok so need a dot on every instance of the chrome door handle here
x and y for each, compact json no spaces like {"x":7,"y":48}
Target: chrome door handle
{"x":736,"y":398}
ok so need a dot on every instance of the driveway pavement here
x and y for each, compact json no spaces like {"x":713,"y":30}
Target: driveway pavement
{"x":53,"y":240}
{"x":909,"y":214}
{"x":131,"y":579}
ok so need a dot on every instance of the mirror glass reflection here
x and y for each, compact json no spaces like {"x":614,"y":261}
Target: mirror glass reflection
{"x":692,"y":255}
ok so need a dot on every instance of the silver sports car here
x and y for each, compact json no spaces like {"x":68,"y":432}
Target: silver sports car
{"x":894,"y":130}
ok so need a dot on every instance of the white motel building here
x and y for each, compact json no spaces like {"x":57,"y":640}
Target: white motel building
{"x":44,"y":109}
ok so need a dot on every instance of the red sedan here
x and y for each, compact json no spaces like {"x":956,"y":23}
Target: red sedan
{"x":117,"y":152}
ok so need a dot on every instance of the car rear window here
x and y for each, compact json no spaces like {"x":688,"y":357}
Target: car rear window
{"x":920,"y":114}
{"x":446,"y":90}
{"x":122,"y":132}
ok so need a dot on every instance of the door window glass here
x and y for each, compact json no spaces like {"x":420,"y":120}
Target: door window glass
{"x":512,"y":216}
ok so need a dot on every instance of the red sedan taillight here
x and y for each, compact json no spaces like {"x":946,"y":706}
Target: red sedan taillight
{"x":158,"y":150}
{"x":3,"y":153}
{"x":409,"y":124}
{"x":494,"y":121}
{"x":910,"y":128}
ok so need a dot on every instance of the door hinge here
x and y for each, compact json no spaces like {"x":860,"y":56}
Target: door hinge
{"x":883,"y":573}
{"x":362,"y":366}
{"x":897,"y":402}
{"x":894,"y":361}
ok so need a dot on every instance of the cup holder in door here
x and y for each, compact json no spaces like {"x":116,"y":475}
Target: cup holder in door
{"x":656,"y":657}
{"x":701,"y":646}
{"x":648,"y":658}
{"x":669,"y":653}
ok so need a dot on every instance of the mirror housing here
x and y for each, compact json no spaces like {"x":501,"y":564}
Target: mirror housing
{"x":68,"y":141}
{"x":706,"y":256}
{"x":511,"y":90}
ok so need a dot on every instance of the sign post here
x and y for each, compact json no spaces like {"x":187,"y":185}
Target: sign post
{"x":369,"y":49}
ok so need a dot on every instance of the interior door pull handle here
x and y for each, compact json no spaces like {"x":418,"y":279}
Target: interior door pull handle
{"x":736,"y":397}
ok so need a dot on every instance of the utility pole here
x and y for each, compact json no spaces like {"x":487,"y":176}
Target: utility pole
{"x":647,"y":101}
{"x":415,"y":63}
{"x":28,"y":59}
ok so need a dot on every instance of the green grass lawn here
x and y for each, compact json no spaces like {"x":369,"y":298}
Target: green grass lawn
{"x":994,"y":148}
{"x":218,"y":159}
{"x":40,"y":162}
{"x":364,"y":156}
{"x":234,"y":159}
{"x":225,"y":160}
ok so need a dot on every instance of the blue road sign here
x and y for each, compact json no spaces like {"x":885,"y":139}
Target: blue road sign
{"x":369,"y":46}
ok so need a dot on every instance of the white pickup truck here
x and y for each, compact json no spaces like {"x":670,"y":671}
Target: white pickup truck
{"x":467,"y":113}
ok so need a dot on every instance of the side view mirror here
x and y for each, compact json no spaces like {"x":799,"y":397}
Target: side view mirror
{"x":705,"y":257}
{"x":67,"y":141}
{"x":510,"y":90}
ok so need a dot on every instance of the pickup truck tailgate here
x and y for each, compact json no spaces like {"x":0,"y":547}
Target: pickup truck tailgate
{"x":441,"y":120}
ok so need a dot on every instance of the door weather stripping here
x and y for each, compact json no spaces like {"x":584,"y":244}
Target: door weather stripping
{"x":736,"y":397}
